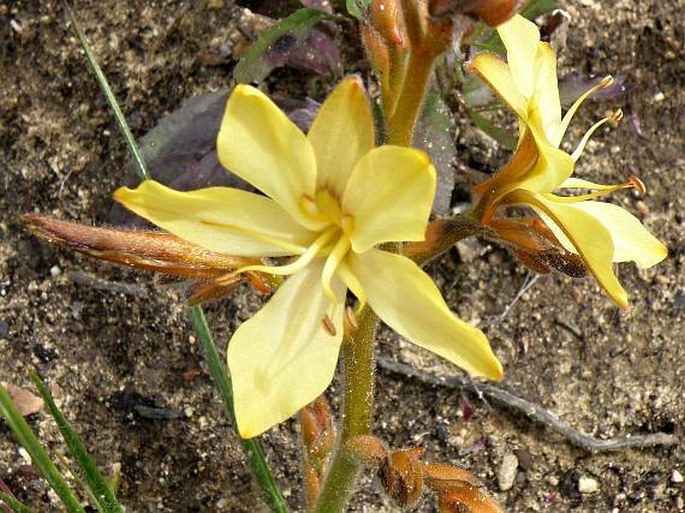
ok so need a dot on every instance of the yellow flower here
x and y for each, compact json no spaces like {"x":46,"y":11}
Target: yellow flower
{"x":600,"y":233}
{"x":330,"y":198}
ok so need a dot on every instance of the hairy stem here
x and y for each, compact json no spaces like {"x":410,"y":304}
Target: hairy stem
{"x":358,"y":380}
{"x":403,"y":120}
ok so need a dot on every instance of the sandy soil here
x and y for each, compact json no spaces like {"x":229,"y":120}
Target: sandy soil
{"x":106,"y":350}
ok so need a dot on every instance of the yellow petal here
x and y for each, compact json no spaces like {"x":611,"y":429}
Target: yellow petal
{"x":219,"y":218}
{"x":408,"y":301}
{"x":521,"y":38}
{"x":591,"y":239}
{"x":547,"y":92}
{"x":260,"y":144}
{"x":284,"y":357}
{"x":497,"y":74}
{"x":536,"y":166}
{"x":389,"y":195}
{"x":632,"y":241}
{"x":520,"y":164}
{"x":554,"y":167}
{"x":341,"y":134}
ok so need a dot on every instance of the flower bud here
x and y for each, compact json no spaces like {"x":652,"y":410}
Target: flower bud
{"x":402,"y":476}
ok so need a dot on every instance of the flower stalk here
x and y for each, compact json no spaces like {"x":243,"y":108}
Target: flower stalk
{"x":358,"y":365}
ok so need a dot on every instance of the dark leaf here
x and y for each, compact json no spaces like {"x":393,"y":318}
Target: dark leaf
{"x":499,"y":134}
{"x":434,"y":135}
{"x":357,"y":8}
{"x":180,"y":151}
{"x":279,"y":45}
{"x":572,"y":86}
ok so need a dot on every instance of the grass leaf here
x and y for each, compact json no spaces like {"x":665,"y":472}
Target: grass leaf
{"x":93,"y":479}
{"x":111,"y":99}
{"x":40,"y":458}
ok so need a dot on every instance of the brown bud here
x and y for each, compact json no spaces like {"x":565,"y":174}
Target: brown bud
{"x":154,"y":251}
{"x":386,"y":19}
{"x":458,"y":490}
{"x":437,"y":474}
{"x":466,"y":497}
{"x":318,"y":430}
{"x":376,"y":49}
{"x":492,"y":12}
{"x":402,"y":476}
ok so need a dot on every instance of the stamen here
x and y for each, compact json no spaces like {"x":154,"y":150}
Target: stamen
{"x":596,"y":194}
{"x":352,"y":283}
{"x":563,"y":126}
{"x":332,"y":262}
{"x":614,"y":117}
{"x":328,"y":325}
{"x":300,"y":263}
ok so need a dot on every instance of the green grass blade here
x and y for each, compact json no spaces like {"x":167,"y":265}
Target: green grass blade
{"x":95,"y":482}
{"x":222,"y":382}
{"x":111,"y":99}
{"x":40,"y":458}
{"x":14,"y":504}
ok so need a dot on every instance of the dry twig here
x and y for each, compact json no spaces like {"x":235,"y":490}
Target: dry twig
{"x":534,"y":411}
{"x":129,"y":289}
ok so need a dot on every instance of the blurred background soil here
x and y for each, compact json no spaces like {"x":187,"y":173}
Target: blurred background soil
{"x":112,"y":342}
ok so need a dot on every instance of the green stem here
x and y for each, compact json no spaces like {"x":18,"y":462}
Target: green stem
{"x":401,"y":124}
{"x":222,"y":382}
{"x":358,"y":379}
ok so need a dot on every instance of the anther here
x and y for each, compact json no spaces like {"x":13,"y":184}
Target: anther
{"x":637,"y":184}
{"x":328,"y":325}
{"x":618,"y":116}
{"x":607,"y":81}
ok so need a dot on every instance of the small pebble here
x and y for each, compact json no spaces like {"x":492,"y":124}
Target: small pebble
{"x":642,"y":207}
{"x":507,"y":471}
{"x":55,"y":271}
{"x":587,"y":485}
{"x":676,"y":477}
{"x":469,"y":249}
{"x":526,"y":460}
{"x":659,"y":97}
{"x":23,"y":453}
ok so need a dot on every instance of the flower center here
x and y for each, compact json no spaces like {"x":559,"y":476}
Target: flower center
{"x":332,"y":243}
